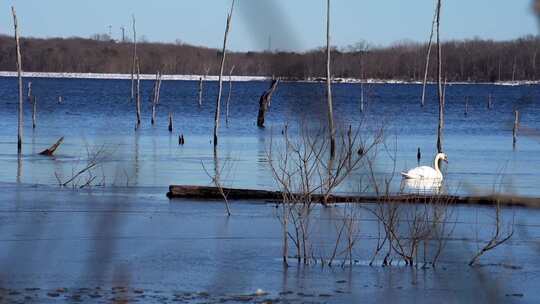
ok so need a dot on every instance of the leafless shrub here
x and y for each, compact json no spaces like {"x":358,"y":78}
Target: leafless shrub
{"x":85,"y":172}
{"x":498,"y":237}
{"x":406,"y":227}
{"x":306,"y":175}
{"x":216,"y":178}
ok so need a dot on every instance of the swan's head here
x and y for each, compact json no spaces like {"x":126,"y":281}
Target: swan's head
{"x":442,"y":156}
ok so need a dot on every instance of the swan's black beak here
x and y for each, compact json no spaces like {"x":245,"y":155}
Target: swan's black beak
{"x":446,"y":160}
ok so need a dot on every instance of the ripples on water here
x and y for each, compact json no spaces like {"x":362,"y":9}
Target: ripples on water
{"x":99,"y":112}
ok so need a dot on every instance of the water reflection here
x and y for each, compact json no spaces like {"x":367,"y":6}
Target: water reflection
{"x":422,"y":186}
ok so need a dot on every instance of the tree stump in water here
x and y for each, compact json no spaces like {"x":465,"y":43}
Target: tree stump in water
{"x":52,"y":149}
{"x":264,"y":101}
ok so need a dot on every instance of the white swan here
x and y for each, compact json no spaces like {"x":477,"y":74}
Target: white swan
{"x":425,"y":172}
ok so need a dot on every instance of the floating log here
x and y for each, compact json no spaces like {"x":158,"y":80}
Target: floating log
{"x":213,"y":193}
{"x":52,"y":149}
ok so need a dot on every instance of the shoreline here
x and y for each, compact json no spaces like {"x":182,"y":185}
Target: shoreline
{"x":117,"y":76}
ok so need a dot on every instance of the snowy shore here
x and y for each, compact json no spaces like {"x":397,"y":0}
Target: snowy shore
{"x":235,"y":78}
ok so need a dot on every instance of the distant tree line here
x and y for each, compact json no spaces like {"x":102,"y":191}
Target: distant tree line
{"x":473,"y":60}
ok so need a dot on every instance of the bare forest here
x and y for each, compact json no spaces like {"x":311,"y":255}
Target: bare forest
{"x":469,"y":60}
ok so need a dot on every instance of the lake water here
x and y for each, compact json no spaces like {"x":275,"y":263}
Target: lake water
{"x":128,"y":241}
{"x":99,"y":113}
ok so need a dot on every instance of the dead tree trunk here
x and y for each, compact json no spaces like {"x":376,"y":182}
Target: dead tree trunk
{"x":229,"y":96}
{"x":439,"y":82}
{"x":516,"y":127}
{"x":264,"y":101}
{"x":134,"y":63}
{"x":155,"y":98}
{"x":29,"y":96}
{"x":200,"y":91}
{"x":34,"y":110}
{"x":329,"y":85}
{"x":220,"y":90}
{"x":362,"y":97}
{"x":20,"y":82}
{"x":32,"y":101}
{"x":428,"y":57}
{"x":138,"y":95}
{"x":52,"y":149}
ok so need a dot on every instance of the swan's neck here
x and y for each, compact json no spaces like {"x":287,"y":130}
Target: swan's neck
{"x":436,"y":165}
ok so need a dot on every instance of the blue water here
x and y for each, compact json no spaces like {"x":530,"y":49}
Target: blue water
{"x":98,"y":113}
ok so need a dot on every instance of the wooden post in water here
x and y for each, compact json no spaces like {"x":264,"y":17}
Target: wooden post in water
{"x":489,"y":103}
{"x":220,"y":90}
{"x":20,"y":82}
{"x":439,"y":82}
{"x":516,"y":127}
{"x":265,"y":99}
{"x":134,"y":63}
{"x":138,"y":95}
{"x":329,"y":85}
{"x":466,"y":106}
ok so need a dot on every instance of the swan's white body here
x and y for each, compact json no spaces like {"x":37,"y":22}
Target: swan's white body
{"x":425,"y":172}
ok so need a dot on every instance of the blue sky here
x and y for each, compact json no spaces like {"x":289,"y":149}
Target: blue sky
{"x":292,"y":24}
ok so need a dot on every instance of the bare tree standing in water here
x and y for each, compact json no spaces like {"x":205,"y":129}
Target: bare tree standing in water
{"x":220,"y":90}
{"x":329,"y":85}
{"x":20,"y":83}
{"x":134,"y":63}
{"x":439,"y":82}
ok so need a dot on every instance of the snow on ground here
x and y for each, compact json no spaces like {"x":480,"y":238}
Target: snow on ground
{"x":234,"y":78}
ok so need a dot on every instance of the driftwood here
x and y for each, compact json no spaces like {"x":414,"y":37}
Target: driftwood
{"x":20,"y":83}
{"x":213,"y":193}
{"x":52,"y":149}
{"x":264,"y":101}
